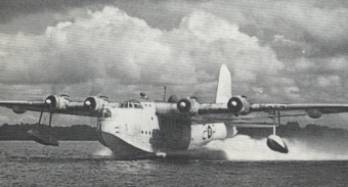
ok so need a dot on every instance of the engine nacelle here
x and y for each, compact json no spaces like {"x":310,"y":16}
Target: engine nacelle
{"x":57,"y":102}
{"x":238,"y":105}
{"x":188,"y":106}
{"x":314,"y":113}
{"x":95,"y":103}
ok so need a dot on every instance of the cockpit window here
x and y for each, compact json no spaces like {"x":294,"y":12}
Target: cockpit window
{"x":131,"y":104}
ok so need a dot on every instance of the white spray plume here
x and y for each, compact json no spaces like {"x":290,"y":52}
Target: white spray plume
{"x":243,"y":147}
{"x":103,"y":152}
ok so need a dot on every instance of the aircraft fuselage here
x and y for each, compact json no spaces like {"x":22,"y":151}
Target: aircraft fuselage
{"x":134,"y":130}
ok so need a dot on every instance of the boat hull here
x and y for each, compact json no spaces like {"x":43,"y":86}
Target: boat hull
{"x":121,"y":149}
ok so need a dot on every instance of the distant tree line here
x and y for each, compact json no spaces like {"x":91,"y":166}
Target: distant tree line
{"x":74,"y":132}
{"x":294,"y":130}
{"x":85,"y":132}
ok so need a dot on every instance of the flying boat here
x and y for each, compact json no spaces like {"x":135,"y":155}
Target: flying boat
{"x":139,"y":128}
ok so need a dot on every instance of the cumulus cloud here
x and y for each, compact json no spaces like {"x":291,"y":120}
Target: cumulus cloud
{"x":106,"y":44}
{"x":109,"y":44}
{"x":276,"y":46}
{"x":332,"y":80}
{"x":310,"y":21}
{"x":278,"y":51}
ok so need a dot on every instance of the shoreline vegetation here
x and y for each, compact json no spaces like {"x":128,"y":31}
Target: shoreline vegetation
{"x":74,"y":132}
{"x":84,"y":132}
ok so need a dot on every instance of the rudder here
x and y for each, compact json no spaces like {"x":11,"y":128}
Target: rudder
{"x":224,"y":88}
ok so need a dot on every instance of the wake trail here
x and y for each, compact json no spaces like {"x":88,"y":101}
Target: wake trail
{"x":103,"y":152}
{"x":243,"y":147}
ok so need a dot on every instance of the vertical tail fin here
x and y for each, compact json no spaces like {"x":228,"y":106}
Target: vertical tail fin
{"x":224,"y":89}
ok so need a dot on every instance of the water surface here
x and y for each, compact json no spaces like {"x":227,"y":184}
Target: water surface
{"x":25,"y":163}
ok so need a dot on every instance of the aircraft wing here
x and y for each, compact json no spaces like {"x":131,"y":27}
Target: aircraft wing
{"x":58,"y":104}
{"x":91,"y":106}
{"x":240,"y":106}
{"x":76,"y":108}
{"x":321,"y":107}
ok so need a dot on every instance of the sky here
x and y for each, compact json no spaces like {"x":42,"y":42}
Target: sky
{"x":277,"y":50}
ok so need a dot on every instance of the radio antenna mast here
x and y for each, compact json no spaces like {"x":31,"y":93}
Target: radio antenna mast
{"x":164,"y":93}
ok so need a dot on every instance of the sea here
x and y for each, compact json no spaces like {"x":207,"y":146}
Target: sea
{"x":88,"y":163}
